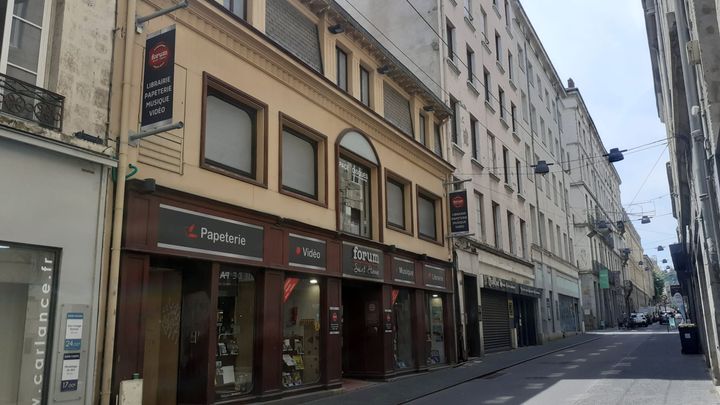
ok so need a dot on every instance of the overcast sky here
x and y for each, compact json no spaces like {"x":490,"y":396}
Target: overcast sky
{"x":602,"y":45}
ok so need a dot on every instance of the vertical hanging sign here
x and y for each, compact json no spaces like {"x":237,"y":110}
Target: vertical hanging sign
{"x":158,"y":79}
{"x":459,"y":212}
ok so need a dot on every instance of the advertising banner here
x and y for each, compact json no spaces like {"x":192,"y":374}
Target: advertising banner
{"x":459,"y":212}
{"x":158,"y":79}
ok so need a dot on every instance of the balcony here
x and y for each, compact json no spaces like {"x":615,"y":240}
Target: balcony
{"x":32,"y":103}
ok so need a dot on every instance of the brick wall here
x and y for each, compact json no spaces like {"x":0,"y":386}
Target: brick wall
{"x":291,"y":29}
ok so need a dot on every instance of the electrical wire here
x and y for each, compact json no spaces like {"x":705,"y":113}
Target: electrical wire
{"x":649,"y":174}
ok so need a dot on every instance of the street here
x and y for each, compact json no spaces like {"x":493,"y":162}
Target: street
{"x":644,"y":366}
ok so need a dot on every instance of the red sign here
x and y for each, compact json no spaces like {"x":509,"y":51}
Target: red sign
{"x":159,"y":55}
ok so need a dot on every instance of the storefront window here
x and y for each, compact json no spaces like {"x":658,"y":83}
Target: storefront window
{"x":27,"y":287}
{"x":235,"y":333}
{"x":354,"y":182}
{"x":402,"y":337}
{"x":435,"y":338}
{"x":301,"y":332}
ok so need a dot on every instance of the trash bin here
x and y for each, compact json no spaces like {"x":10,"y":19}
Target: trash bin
{"x":689,"y":338}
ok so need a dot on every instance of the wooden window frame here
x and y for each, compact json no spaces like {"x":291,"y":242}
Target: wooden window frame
{"x":437,"y":203}
{"x":319,"y":140}
{"x":406,"y":186}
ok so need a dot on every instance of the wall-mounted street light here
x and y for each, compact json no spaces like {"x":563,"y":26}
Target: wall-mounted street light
{"x":384,"y":69}
{"x":660,"y":248}
{"x":645,"y":219}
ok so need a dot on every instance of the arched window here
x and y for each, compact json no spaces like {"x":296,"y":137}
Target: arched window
{"x":357,"y":161}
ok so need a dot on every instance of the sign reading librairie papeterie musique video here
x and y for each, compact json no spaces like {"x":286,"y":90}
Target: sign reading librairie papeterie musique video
{"x":458,"y":212}
{"x":158,"y":79}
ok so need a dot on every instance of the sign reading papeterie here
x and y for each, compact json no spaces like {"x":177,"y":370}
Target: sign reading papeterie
{"x":158,"y":79}
{"x":191,"y":231}
{"x":306,"y":252}
{"x":459,"y":212}
{"x":362,"y":261}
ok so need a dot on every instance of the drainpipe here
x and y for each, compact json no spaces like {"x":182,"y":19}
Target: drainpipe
{"x":113,"y":282}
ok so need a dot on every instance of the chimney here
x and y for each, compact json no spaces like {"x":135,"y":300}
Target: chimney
{"x":571,"y":83}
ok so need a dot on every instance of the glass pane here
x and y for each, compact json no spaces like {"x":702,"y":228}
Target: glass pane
{"x":435,"y":333}
{"x":229,"y":135}
{"x":299,"y":164}
{"x":26,"y":294}
{"x":21,"y":75}
{"x":341,"y":69}
{"x":364,"y":86}
{"x":31,"y":10}
{"x":354,"y":181}
{"x":24,"y":45}
{"x":402,"y":339}
{"x":237,"y":7}
{"x":426,"y":210}
{"x":421,"y":130}
{"x":301,"y":332}
{"x":395,"y":204}
{"x":358,"y":144}
{"x":235,"y":333}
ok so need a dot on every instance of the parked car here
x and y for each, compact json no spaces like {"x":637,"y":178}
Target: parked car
{"x":638,"y":319}
{"x":664,"y":318}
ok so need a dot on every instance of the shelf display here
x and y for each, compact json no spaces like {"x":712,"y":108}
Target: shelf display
{"x":235,"y":334}
{"x":301,"y":333}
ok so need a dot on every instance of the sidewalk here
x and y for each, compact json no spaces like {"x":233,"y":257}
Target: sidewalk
{"x":406,"y":389}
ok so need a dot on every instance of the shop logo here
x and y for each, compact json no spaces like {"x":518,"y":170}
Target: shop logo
{"x":307,"y":252}
{"x":458,"y":201}
{"x":365,"y":256}
{"x":190,"y":232}
{"x":159,"y":56}
{"x":334,"y":316}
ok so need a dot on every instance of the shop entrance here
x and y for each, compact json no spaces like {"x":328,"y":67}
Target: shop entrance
{"x":525,"y":320}
{"x":362,"y":332}
{"x":176,"y":308}
{"x":472,"y":331}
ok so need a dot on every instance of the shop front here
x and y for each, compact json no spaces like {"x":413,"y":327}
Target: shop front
{"x":221,"y":304}
{"x":508,"y":314}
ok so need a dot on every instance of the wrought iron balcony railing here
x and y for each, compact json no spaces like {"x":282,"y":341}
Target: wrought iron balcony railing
{"x":27,"y":101}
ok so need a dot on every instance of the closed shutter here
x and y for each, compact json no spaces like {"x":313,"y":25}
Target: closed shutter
{"x":496,"y":321}
{"x":568,"y":316}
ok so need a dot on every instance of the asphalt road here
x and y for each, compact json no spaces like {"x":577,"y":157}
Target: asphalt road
{"x":623,"y":367}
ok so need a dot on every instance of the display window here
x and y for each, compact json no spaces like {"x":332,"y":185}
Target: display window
{"x":235,"y":333}
{"x":435,"y":332}
{"x":301,"y":332}
{"x":28,"y":278}
{"x":402,"y":334}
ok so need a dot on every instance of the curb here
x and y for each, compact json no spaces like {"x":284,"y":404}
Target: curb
{"x":501,"y":369}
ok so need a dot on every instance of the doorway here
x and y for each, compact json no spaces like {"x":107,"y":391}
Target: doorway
{"x":525,"y":320}
{"x":472,"y":326}
{"x":362,"y":333}
{"x":176,"y":316}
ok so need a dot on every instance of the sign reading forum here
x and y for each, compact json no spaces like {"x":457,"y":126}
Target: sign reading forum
{"x":158,"y":79}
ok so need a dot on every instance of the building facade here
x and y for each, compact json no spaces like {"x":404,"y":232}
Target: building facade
{"x":56,"y":164}
{"x":684,"y":51}
{"x":293,"y":232}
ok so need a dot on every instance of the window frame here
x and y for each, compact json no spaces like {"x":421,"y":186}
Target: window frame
{"x":244,"y":101}
{"x":367,"y":70}
{"x":406,"y":188}
{"x":422,"y":129}
{"x":319,"y":140}
{"x":339,"y":50}
{"x":437,"y":136}
{"x":439,"y":223}
{"x":43,"y":44}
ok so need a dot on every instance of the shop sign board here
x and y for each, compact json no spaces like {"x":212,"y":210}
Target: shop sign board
{"x":306,"y":252}
{"x":403,"y":271}
{"x":434,"y":276}
{"x":459,"y":222}
{"x":604,"y":278}
{"x":500,"y":284}
{"x":675,"y":289}
{"x":334,"y":321}
{"x":158,"y":78}
{"x":190,"y":231}
{"x":529,"y":291}
{"x":362,"y":261}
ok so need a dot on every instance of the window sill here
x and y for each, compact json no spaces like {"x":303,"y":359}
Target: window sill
{"x":398,"y":229}
{"x":512,"y":84}
{"x":307,"y":199}
{"x":232,"y":174}
{"x":430,"y":239}
{"x":477,"y":163}
{"x":516,"y":137}
{"x":508,"y":188}
{"x":500,"y":67}
{"x":453,"y":66}
{"x":489,"y":106}
{"x":473,"y":89}
{"x":469,"y":22}
{"x":497,"y":11}
{"x":504,"y":122}
{"x":494,"y":176}
{"x":458,"y":149}
{"x":486,"y":45}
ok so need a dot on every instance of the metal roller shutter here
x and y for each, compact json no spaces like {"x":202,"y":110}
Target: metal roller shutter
{"x":496,"y":321}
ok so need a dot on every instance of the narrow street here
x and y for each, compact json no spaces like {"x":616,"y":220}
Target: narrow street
{"x":627,"y":367}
